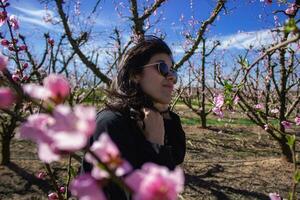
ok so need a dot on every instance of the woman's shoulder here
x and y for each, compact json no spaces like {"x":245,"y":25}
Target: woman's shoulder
{"x":109,"y":115}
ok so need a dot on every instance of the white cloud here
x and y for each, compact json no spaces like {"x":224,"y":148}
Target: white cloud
{"x":238,"y":41}
{"x":32,"y":12}
{"x":244,"y":40}
{"x":35,"y":17}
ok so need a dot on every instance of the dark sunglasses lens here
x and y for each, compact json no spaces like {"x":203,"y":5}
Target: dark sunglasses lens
{"x":163,"y":69}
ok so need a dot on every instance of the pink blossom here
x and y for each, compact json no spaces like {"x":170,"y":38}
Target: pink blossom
{"x":266,"y":127}
{"x":37,"y":91}
{"x":218,"y":103}
{"x":66,"y":131}
{"x":36,"y":129}
{"x":72,"y":129}
{"x":55,"y":87}
{"x":297,"y":120}
{"x":108,"y":153}
{"x":219,"y":100}
{"x":218,"y":111}
{"x":23,"y":48}
{"x":85,"y":187}
{"x":4,"y":42}
{"x":25,"y":65}
{"x":3,"y":62}
{"x":13,"y":20}
{"x":274,"y":111}
{"x":58,"y":86}
{"x":53,"y":196}
{"x":3,"y":17}
{"x":274,"y":196}
{"x":41,"y":175}
{"x":259,"y":106}
{"x":16,"y":77}
{"x":50,"y":42}
{"x":155,"y":182}
{"x":286,"y":124}
{"x":7,"y":98}
{"x":62,"y":189}
{"x":236,"y":100}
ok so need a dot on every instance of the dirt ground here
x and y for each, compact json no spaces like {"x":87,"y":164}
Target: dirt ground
{"x":232,"y":162}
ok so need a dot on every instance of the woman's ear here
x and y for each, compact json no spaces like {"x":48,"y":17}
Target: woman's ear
{"x":136,"y":78}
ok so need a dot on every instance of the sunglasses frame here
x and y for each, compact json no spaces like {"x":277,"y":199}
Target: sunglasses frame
{"x":171,"y":72}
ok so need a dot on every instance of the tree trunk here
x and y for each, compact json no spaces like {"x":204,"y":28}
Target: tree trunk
{"x":5,"y":150}
{"x":285,"y":150}
{"x":203,"y":85}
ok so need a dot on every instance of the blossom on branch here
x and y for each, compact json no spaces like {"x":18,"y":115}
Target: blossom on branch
{"x":155,"y":182}
{"x":7,"y":98}
{"x":55,"y":87}
{"x":66,"y":131}
{"x":3,"y":62}
{"x":109,"y":154}
{"x":85,"y":187}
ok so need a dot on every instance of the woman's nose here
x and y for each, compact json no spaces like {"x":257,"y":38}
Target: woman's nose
{"x":172,"y":77}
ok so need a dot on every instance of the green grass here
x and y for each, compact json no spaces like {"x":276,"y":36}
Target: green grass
{"x":210,"y":121}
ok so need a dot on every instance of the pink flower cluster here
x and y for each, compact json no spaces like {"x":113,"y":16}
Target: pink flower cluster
{"x":109,"y":154}
{"x":66,"y":130}
{"x":218,"y":103}
{"x":150,"y":182}
{"x":274,"y":196}
{"x":55,"y":87}
{"x":155,"y":182}
{"x":297,"y":120}
{"x":286,"y":124}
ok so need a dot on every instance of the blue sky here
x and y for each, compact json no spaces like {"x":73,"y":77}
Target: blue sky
{"x":246,"y":23}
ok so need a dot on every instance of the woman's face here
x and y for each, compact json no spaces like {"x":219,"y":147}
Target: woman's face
{"x":158,"y":87}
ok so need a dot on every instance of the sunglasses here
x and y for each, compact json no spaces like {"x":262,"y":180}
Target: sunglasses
{"x":163,"y":69}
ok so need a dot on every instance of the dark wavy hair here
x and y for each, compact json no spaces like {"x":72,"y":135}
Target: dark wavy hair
{"x":124,"y":93}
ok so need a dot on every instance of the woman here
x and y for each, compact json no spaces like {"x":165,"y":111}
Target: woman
{"x":137,"y":117}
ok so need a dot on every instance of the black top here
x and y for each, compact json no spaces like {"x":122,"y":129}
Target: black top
{"x":134,"y":147}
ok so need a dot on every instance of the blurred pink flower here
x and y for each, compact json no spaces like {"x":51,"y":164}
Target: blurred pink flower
{"x":72,"y":129}
{"x":286,"y":124}
{"x":274,"y":111}
{"x":266,"y":127}
{"x":4,"y":42}
{"x":218,"y":103}
{"x":16,"y":77}
{"x":108,"y":153}
{"x":3,"y":62}
{"x":66,"y":131}
{"x":22,"y":48}
{"x":53,"y":196}
{"x":7,"y":98}
{"x":155,"y":182}
{"x":259,"y":106}
{"x":3,"y":17}
{"x":62,"y":189}
{"x":274,"y":196}
{"x":36,"y":129}
{"x":41,"y":175}
{"x":55,"y":87}
{"x":85,"y":187}
{"x":218,"y":111}
{"x":13,"y":20}
{"x":236,"y":100}
{"x":297,"y":120}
